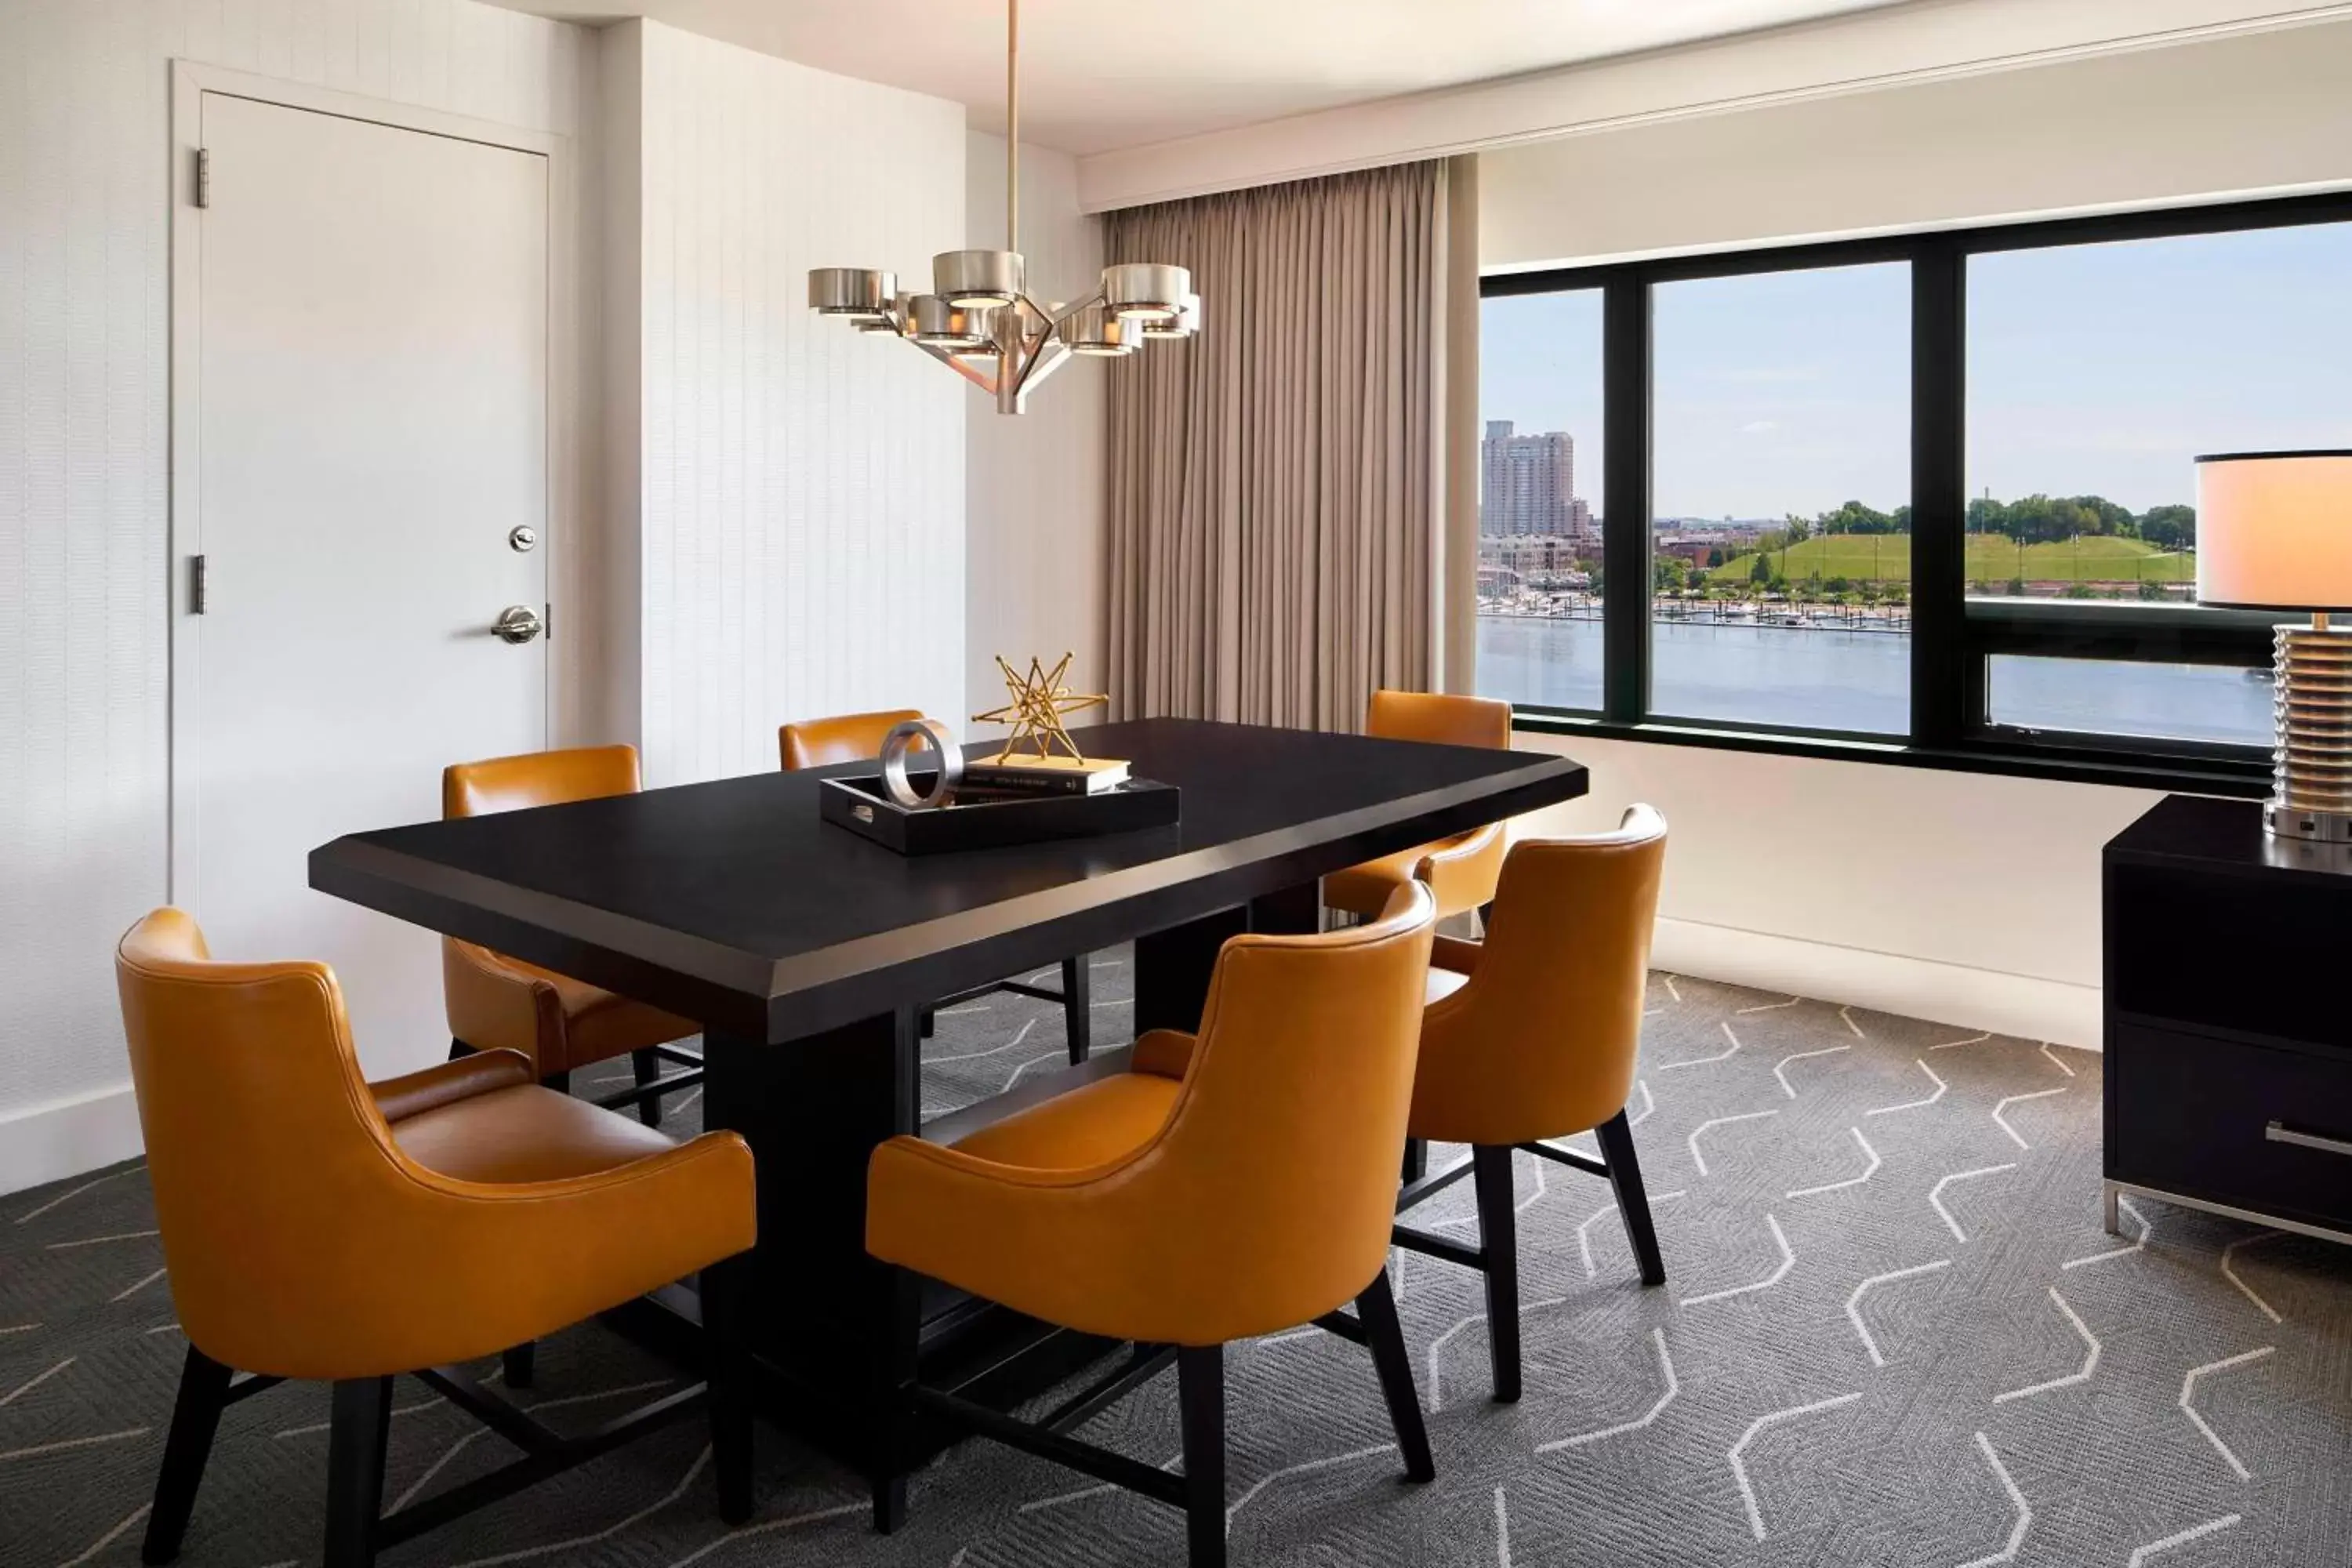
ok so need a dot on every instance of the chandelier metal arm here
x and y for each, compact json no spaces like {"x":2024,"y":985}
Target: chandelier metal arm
{"x":980,"y":379}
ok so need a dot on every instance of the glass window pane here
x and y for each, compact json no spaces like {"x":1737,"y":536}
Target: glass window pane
{"x":1538,"y":484}
{"x":2204,"y":702}
{"x":1782,"y":477}
{"x":2097,"y":373}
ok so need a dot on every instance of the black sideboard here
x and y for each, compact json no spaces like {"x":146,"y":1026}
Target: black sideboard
{"x":2229,"y":1017}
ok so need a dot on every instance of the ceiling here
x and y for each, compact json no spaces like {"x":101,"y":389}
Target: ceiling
{"x":1097,"y":76}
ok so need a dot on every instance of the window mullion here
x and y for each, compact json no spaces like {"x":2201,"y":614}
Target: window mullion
{"x":1627,"y":529}
{"x":1940,"y":683}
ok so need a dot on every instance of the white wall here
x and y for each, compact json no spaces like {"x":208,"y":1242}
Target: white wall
{"x":1034,"y":498}
{"x":800,"y":495}
{"x":1963,"y":897}
{"x":84,"y":333}
{"x":1893,"y":46}
{"x":2235,"y":116}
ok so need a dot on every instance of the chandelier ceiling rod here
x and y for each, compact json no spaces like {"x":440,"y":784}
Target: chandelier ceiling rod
{"x":1013,"y":125}
{"x":980,"y":320}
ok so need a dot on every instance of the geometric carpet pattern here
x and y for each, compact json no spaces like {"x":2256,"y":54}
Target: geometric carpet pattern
{"x":1892,"y":1333}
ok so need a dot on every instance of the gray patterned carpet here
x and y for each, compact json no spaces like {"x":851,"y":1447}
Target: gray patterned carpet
{"x":1894,"y":1333}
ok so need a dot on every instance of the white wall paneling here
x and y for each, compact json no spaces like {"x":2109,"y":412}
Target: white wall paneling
{"x":84,"y":433}
{"x":1034,"y":499}
{"x":801,"y":499}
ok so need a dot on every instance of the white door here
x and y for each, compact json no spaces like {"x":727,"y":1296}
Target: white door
{"x":373,"y":398}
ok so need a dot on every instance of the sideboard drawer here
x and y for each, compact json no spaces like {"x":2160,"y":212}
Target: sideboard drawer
{"x":2220,"y":1121}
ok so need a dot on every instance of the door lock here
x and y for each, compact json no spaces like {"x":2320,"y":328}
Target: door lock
{"x":521,"y":537}
{"x":517,"y":624}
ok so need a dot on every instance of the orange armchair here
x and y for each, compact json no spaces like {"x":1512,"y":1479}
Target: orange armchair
{"x":559,"y":1024}
{"x":316,"y":1227}
{"x":1530,"y":1035}
{"x":1462,"y":868}
{"x":857,"y":738}
{"x":1223,"y":1187}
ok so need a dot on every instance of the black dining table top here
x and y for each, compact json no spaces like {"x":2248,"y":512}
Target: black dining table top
{"x":733,"y":903}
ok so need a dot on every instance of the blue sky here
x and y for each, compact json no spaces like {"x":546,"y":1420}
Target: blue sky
{"x":2093,"y":369}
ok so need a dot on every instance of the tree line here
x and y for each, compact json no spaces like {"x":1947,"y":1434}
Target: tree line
{"x":2029,"y":520}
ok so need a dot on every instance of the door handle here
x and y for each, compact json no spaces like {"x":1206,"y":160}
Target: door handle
{"x":517,"y":624}
{"x":2280,"y":1133}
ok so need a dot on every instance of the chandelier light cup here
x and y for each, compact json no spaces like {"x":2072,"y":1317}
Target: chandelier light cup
{"x":983,"y":279}
{"x":860,"y":293}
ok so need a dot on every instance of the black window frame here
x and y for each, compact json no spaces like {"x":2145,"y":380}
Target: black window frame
{"x":1953,"y":637}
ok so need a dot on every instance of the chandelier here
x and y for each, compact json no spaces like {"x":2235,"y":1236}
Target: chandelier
{"x":979,"y":319}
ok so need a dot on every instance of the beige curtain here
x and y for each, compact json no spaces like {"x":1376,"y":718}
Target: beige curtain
{"x":1274,"y":481}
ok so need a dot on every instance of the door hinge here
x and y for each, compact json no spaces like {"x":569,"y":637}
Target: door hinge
{"x":196,"y":584}
{"x":203,"y":177}
{"x":547,"y":621}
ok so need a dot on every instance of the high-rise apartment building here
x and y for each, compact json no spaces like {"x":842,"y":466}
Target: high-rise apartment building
{"x":1528,"y":483}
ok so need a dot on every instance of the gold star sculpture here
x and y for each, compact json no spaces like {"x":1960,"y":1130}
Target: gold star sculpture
{"x":1039,"y":702}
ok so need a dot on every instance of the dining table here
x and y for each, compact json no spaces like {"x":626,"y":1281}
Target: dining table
{"x":807,"y":953}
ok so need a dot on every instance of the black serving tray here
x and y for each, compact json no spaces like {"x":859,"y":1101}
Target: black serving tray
{"x":859,"y":805}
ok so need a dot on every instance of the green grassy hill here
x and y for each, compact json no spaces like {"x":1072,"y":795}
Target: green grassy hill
{"x":1991,"y":558}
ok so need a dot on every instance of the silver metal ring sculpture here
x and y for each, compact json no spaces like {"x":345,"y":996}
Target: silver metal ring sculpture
{"x":904,"y":739}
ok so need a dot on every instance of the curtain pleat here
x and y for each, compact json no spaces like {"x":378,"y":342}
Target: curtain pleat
{"x":1273,"y":511}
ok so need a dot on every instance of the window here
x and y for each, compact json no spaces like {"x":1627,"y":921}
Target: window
{"x":1781,"y":506}
{"x":1539,"y":574}
{"x":2205,"y":702}
{"x":1923,"y":499}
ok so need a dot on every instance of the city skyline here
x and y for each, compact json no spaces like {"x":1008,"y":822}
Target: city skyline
{"x":2094,"y":370}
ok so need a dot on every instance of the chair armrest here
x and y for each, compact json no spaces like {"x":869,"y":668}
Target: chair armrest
{"x":493,"y":1006}
{"x":1454,"y":866}
{"x":460,"y":1268}
{"x":413,"y":1094}
{"x":1163,"y":1053}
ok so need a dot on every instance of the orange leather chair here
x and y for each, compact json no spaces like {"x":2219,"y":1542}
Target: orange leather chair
{"x":1530,"y":1035}
{"x":317,"y":1226}
{"x":857,"y":738}
{"x":1222,"y":1186}
{"x":1463,"y":868}
{"x":562,"y":1024}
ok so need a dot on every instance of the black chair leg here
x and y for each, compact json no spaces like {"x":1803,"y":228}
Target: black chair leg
{"x":1616,"y":1140}
{"x":930,"y":1023}
{"x":355,"y":1445}
{"x":1485,"y":919}
{"x":1416,"y":1159}
{"x":900,"y":1349}
{"x":1376,"y":1309}
{"x":521,"y":1364}
{"x":1201,"y":1393}
{"x":647,"y":1065}
{"x":196,"y":1415}
{"x":1490,"y":1174}
{"x":1077,"y":1006}
{"x":728,"y":1369}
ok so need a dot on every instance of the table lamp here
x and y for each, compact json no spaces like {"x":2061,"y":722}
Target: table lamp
{"x":2274,"y":533}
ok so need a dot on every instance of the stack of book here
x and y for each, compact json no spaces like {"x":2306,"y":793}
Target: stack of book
{"x":1008,"y":777}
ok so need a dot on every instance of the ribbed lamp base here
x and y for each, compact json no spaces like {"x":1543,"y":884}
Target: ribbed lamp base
{"x":2313,"y":774}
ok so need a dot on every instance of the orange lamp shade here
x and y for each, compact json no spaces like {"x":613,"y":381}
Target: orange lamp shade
{"x":2275,"y":530}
